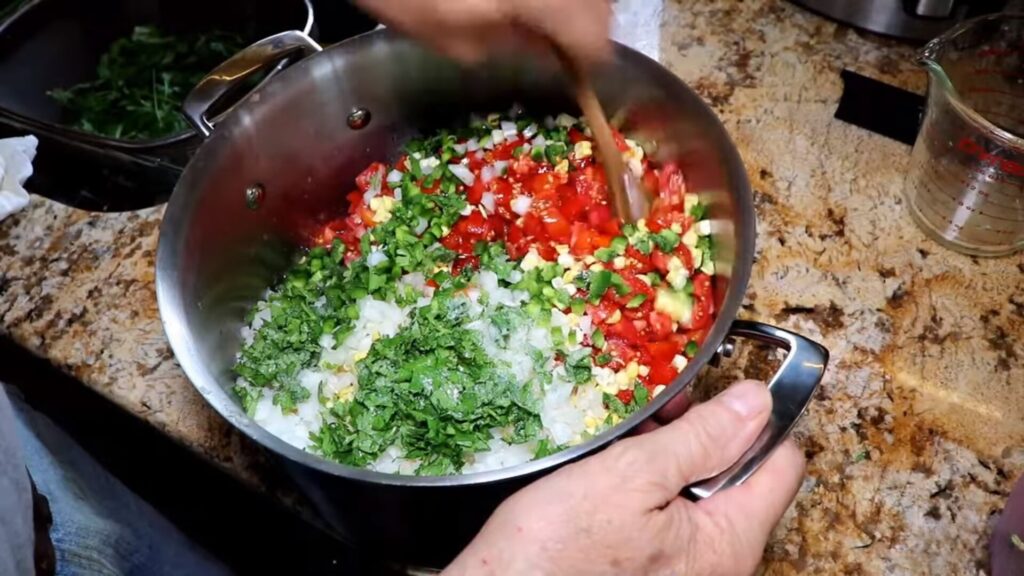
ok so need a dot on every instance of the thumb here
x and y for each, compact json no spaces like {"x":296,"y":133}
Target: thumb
{"x":703,"y":442}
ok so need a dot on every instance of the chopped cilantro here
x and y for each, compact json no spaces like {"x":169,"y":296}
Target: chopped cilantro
{"x":699,"y":211}
{"x":577,"y":365}
{"x":434,"y":391}
{"x":249,"y":395}
{"x":546,"y":448}
{"x":705,"y":245}
{"x":640,"y":395}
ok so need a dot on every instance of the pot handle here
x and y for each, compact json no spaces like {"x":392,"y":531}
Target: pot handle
{"x":791,"y":387}
{"x":256,"y":58}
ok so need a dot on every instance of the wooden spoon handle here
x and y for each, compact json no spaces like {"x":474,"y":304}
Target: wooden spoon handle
{"x":607,"y":150}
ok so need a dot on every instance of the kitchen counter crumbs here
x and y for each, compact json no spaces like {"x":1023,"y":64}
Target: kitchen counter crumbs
{"x":916,"y":435}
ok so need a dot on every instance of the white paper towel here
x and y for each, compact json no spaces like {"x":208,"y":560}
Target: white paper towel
{"x":16,"y":155}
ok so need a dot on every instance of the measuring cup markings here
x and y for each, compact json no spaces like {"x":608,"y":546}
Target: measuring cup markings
{"x":965,"y":183}
{"x":934,"y":191}
{"x":959,"y":227}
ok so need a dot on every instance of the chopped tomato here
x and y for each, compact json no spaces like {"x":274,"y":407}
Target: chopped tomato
{"x":467,"y":232}
{"x":703,"y":307}
{"x":662,"y":374}
{"x":671,"y":185}
{"x":661,"y":326}
{"x":475,"y":193}
{"x":464,"y":262}
{"x":375,"y":172}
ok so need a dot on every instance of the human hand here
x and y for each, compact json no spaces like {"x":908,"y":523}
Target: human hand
{"x":619,"y":512}
{"x":468,"y":29}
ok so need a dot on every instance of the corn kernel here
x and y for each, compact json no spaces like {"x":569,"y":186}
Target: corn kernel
{"x":632,"y":370}
{"x":583,"y":149}
{"x":658,"y":390}
{"x":645,"y":370}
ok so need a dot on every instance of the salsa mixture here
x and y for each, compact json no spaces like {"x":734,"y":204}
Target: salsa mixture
{"x":479,"y":305}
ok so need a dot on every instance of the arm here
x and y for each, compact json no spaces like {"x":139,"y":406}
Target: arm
{"x":469,"y":29}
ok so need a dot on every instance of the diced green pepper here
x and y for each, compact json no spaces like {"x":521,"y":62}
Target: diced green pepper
{"x":599,"y":283}
{"x":691,"y":348}
{"x":636,"y":301}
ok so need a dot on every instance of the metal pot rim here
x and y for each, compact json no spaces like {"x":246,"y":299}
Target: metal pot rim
{"x":207,"y":384}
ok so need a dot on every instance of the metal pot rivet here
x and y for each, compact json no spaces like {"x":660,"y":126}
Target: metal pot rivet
{"x":728,"y":348}
{"x":254,"y":196}
{"x":358,"y":118}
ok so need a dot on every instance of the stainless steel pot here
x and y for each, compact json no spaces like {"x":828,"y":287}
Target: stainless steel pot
{"x":286,"y":156}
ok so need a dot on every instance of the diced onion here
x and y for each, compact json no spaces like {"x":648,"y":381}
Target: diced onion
{"x":497,"y":136}
{"x":487,"y":174}
{"x":394,"y":177}
{"x":376,"y":256}
{"x":565,"y":121}
{"x":472,"y":145}
{"x":487,"y":142}
{"x":427,"y":165}
{"x":487,"y":201}
{"x":398,"y":193}
{"x":421,"y":226}
{"x":549,"y":122}
{"x":509,"y":130}
{"x":462,"y":173}
{"x":479,"y":154}
{"x":521,"y":205}
{"x":539,"y":141}
{"x":460,"y":149}
{"x":530,"y":131}
{"x":500,"y":167}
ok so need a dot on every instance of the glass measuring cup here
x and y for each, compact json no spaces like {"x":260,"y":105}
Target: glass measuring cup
{"x":965,"y":185}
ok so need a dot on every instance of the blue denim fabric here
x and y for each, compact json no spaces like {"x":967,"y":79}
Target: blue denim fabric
{"x":100,"y":527}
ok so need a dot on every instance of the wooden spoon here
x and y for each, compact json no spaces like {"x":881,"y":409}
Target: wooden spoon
{"x":630,"y":200}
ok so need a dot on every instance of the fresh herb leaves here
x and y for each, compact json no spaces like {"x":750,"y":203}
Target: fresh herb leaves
{"x":141,"y":82}
{"x":434,"y":391}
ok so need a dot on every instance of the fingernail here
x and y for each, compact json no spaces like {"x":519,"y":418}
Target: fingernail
{"x":747,"y":398}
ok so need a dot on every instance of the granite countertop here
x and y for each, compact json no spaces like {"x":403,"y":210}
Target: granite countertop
{"x":916,"y":436}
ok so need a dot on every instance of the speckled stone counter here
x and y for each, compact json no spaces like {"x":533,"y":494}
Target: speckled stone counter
{"x":917,"y":434}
